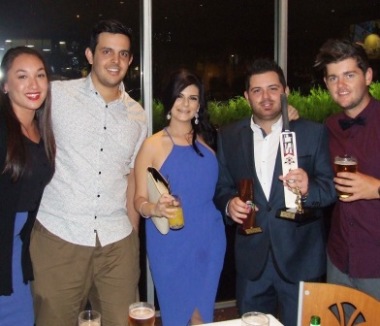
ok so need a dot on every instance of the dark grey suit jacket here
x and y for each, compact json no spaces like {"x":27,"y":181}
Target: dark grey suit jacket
{"x":299,"y":249}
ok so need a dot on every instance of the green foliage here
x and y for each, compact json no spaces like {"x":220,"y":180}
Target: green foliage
{"x":316,"y":106}
{"x":374,"y":89}
{"x":158,"y":116}
{"x":222,"y":113}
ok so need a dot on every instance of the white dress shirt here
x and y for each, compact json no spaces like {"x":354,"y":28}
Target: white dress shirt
{"x":265,"y":153}
{"x":97,"y":143}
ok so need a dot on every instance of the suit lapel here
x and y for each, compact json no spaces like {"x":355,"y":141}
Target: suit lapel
{"x":246,"y":140}
{"x":246,"y":137}
{"x":276,"y":183}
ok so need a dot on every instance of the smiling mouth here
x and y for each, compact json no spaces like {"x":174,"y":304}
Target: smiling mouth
{"x":113,"y":70}
{"x":267,"y":105}
{"x":34,"y":96}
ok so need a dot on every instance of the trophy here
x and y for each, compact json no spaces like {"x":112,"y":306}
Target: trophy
{"x":293,"y":210}
{"x":245,"y":188}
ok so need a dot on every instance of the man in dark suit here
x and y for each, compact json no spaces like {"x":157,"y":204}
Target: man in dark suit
{"x":270,"y":264}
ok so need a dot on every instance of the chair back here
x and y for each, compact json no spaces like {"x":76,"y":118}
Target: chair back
{"x":336,"y":305}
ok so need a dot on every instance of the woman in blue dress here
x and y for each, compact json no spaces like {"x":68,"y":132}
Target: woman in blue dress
{"x":185,"y":263}
{"x":27,"y":151}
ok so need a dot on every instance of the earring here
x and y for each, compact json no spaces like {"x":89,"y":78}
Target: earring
{"x":196,"y":118}
{"x":168,"y":116}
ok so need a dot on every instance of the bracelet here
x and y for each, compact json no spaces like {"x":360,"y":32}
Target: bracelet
{"x":140,"y":209}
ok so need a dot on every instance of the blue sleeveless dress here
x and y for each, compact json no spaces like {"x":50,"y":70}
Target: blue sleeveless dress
{"x":186,"y":263}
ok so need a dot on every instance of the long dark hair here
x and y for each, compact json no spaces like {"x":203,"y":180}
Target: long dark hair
{"x":16,"y":158}
{"x":178,"y":81}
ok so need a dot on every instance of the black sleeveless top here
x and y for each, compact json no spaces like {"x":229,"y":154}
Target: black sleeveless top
{"x":23,"y":195}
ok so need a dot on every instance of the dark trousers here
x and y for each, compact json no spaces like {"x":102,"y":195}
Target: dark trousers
{"x":270,"y":294}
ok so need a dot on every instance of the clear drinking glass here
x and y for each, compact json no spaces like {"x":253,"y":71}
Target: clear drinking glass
{"x":345,"y":163}
{"x":254,"y":318}
{"x":178,"y":221}
{"x":89,"y":318}
{"x":141,"y":314}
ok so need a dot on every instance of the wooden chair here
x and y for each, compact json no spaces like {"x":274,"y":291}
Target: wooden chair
{"x":337,"y":305}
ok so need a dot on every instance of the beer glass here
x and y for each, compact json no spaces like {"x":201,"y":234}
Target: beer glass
{"x":345,"y":163}
{"x":254,"y":318}
{"x":141,"y":314}
{"x":89,"y":318}
{"x":177,"y":222}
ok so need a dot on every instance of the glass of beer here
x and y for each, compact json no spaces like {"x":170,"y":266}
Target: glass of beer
{"x":345,"y":163}
{"x":254,"y":318}
{"x":177,"y":222}
{"x":141,"y":314}
{"x":89,"y":318}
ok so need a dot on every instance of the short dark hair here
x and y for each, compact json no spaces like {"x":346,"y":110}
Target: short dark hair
{"x":108,"y":26}
{"x":263,"y":65}
{"x":336,"y":50}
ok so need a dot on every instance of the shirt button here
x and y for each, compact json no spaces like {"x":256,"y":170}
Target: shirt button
{"x":95,"y":217}
{"x":98,"y":196}
{"x":101,"y":149}
{"x":100,"y":172}
{"x":105,"y":128}
{"x":106,"y":106}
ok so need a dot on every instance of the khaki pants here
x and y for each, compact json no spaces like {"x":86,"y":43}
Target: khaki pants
{"x":67,"y":275}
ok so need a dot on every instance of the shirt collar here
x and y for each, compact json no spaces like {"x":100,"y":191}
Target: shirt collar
{"x":90,"y":86}
{"x":256,"y":128}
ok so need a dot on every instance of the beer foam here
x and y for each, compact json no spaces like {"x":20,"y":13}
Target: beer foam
{"x":141,"y":313}
{"x":89,"y":323}
{"x":345,"y":163}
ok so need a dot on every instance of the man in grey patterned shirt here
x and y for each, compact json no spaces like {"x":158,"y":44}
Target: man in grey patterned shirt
{"x":84,"y":245}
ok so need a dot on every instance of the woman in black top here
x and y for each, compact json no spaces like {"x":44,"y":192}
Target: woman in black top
{"x":27,"y":152}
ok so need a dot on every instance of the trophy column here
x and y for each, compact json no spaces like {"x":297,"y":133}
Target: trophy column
{"x":293,"y":210}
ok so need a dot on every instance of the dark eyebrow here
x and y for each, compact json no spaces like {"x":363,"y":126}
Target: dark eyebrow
{"x":23,"y":70}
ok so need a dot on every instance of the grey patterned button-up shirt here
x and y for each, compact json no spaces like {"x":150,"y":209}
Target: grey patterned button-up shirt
{"x":97,"y":143}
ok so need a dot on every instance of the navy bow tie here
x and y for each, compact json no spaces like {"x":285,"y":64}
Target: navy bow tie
{"x":348,"y":123}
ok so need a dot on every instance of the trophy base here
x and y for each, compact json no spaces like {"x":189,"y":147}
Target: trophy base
{"x":292,"y":214}
{"x":250,"y":231}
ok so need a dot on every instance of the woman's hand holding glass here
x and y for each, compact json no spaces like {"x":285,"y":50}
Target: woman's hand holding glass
{"x":169,"y":206}
{"x":164,"y":206}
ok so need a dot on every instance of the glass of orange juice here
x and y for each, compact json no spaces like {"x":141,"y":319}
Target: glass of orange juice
{"x":177,"y":222}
